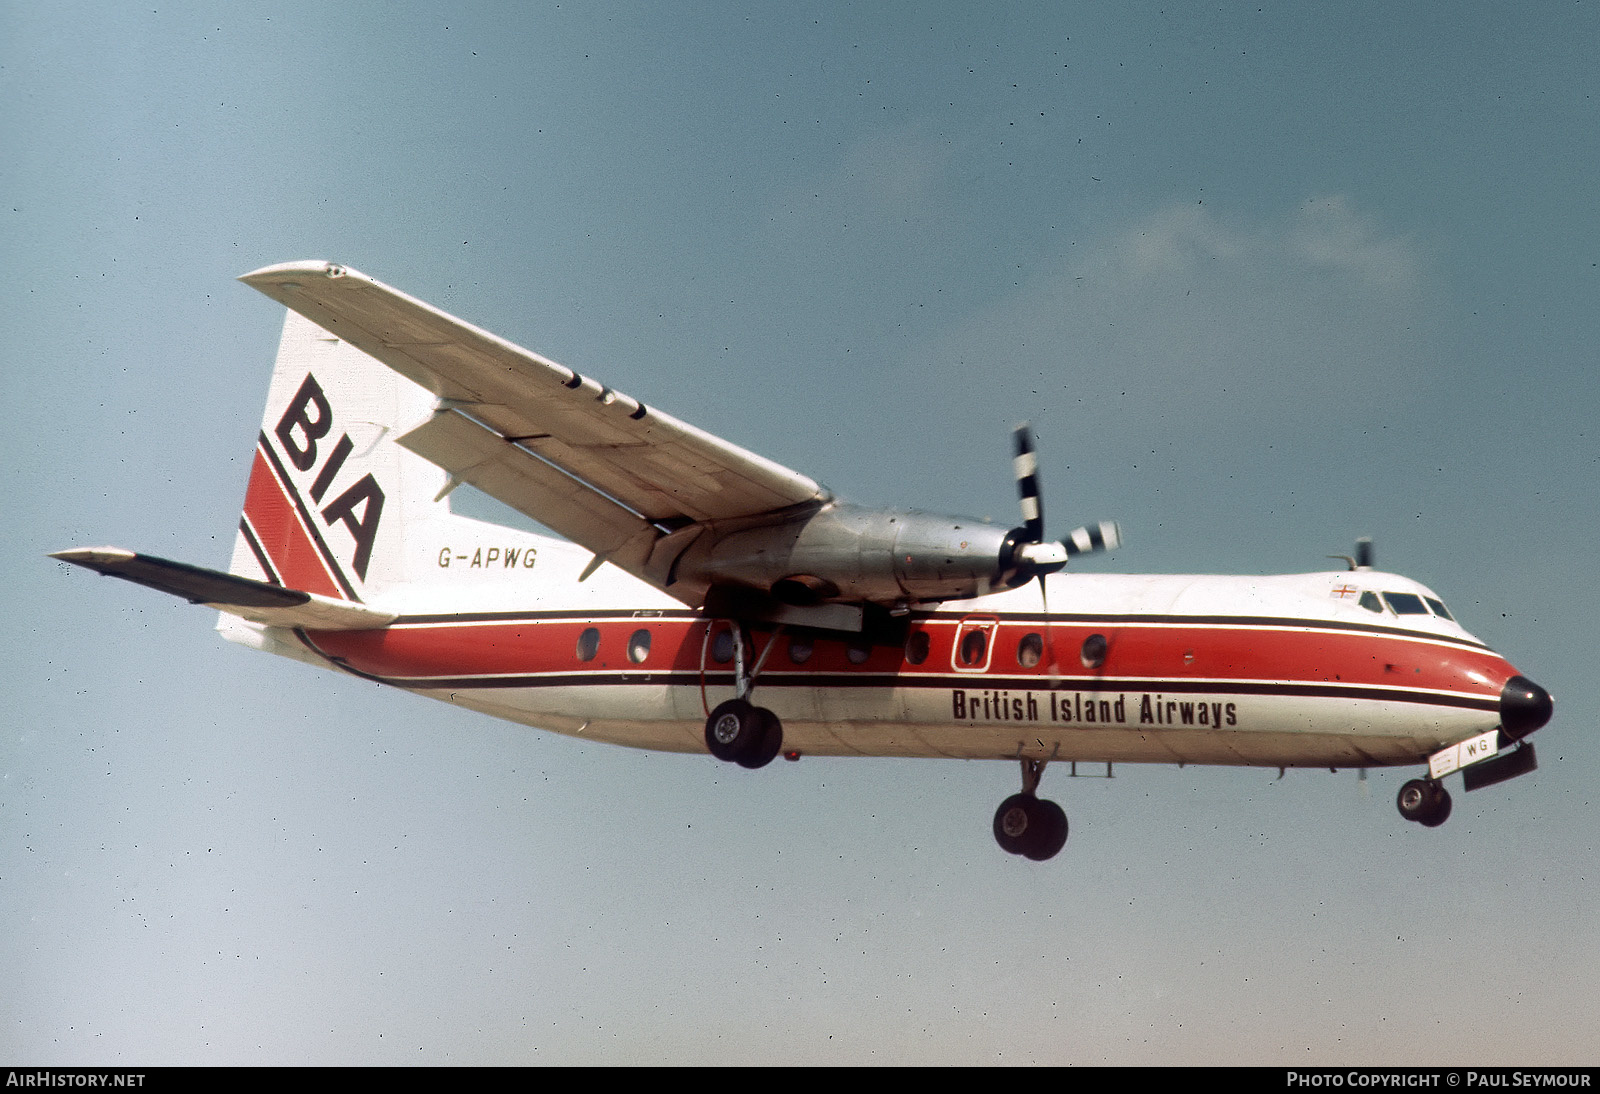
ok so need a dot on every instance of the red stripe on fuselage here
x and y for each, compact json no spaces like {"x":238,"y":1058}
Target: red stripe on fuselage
{"x":1168,"y":654}
{"x":282,"y":533}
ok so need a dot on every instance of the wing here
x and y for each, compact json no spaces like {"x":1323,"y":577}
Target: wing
{"x":598,"y":467}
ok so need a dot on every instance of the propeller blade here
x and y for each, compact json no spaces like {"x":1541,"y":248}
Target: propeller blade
{"x":1043,"y":554}
{"x":1105,"y":536}
{"x":1026,"y":467}
{"x":1028,"y":554}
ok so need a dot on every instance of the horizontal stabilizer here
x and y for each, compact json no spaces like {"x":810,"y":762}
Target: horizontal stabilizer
{"x":245,"y":597}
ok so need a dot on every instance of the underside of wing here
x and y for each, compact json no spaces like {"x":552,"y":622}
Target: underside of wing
{"x":597,"y":466}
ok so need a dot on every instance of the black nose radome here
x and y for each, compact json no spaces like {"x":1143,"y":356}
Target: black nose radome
{"x":1524,"y":707}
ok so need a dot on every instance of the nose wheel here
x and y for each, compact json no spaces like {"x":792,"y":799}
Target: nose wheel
{"x":1424,"y":801}
{"x":1028,"y":825}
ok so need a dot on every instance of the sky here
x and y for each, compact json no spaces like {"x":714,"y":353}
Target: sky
{"x":1265,"y":278}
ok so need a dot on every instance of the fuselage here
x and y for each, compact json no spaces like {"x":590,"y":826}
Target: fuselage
{"x":1349,"y":668}
{"x":703,"y":598}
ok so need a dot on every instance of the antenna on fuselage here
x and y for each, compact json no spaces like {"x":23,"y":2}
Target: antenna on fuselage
{"x":1363,"y":556}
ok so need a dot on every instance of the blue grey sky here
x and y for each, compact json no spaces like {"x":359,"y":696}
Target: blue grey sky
{"x":1264,"y":277}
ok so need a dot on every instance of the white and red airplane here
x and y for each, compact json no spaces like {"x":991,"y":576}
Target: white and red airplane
{"x":695,"y":576}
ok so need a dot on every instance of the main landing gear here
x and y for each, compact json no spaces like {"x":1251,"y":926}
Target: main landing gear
{"x":1424,"y":801}
{"x":738,"y":731}
{"x":1028,"y":825}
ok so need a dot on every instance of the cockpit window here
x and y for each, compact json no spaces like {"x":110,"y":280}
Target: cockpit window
{"x":1439,"y":609}
{"x":1405,"y":603}
{"x":1370,"y":602}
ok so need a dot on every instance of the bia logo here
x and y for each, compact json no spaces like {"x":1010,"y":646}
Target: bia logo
{"x":307,"y":421}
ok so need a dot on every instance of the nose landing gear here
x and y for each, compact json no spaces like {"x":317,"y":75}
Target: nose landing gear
{"x":1028,"y":825}
{"x":1424,"y":801}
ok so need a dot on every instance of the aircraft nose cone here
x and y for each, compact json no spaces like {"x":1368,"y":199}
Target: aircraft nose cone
{"x":1524,"y":707}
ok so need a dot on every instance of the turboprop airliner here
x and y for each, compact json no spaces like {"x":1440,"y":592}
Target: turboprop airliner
{"x":702,"y":598}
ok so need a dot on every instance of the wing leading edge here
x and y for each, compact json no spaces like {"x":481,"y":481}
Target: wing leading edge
{"x":600,"y":468}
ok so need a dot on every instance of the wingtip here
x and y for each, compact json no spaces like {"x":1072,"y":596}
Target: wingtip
{"x":266,"y":275}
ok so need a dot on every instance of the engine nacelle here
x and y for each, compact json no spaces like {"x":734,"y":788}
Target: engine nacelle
{"x":848,"y":553}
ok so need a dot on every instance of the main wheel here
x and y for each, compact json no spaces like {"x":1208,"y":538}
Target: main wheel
{"x":1048,"y":833}
{"x":735,"y":730}
{"x":1025,"y":825}
{"x":767,"y":746}
{"x":1012,"y":821}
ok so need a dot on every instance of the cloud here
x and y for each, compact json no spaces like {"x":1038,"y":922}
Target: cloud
{"x":1324,"y":234}
{"x":1178,"y":238}
{"x":1329,"y":234}
{"x":1193,"y":327}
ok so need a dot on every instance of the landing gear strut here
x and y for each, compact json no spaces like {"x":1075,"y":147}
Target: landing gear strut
{"x":738,"y":731}
{"x":1028,"y":825}
{"x":1424,"y":801}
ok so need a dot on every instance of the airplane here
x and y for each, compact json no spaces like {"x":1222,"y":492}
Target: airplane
{"x":692,"y":576}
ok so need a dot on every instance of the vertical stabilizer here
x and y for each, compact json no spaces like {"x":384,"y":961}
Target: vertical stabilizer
{"x":332,"y":498}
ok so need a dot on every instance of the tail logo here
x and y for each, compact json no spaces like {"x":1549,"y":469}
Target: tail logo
{"x":308,"y":420}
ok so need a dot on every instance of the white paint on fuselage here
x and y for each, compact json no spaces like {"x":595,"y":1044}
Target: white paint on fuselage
{"x":910,"y":721}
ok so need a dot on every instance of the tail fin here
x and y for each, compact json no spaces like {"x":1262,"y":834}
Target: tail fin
{"x":331,"y":497}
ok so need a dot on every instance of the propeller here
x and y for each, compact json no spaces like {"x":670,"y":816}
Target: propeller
{"x":1027,"y":553}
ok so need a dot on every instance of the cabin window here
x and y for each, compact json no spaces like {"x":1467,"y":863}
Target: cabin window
{"x":1370,"y":602}
{"x":917,"y":647}
{"x":639,"y":646}
{"x":1439,"y":609}
{"x":1030,"y":650}
{"x":1405,"y":603}
{"x":973,"y":644}
{"x":722,"y":647}
{"x":801,"y":647}
{"x":858,"y":651}
{"x":1093,"y":654}
{"x":973,"y":647}
{"x":588,"y":644}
